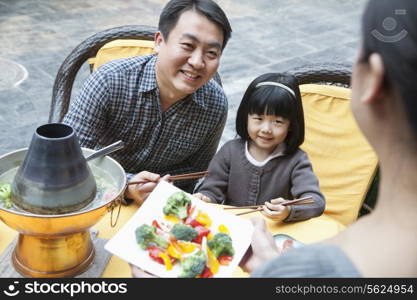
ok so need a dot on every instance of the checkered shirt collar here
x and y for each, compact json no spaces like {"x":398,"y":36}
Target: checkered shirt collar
{"x":148,"y":83}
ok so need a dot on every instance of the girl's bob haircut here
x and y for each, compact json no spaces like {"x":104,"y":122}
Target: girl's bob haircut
{"x":277,"y":101}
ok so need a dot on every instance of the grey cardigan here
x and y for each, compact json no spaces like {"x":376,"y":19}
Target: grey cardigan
{"x":233,"y":180}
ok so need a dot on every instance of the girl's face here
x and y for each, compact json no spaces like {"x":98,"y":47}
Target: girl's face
{"x":267,"y":131}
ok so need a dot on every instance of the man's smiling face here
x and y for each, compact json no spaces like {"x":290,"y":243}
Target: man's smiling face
{"x":189,"y":57}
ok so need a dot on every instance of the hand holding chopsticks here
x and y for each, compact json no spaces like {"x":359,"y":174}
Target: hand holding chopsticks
{"x":141,"y":186}
{"x":146,"y":181}
{"x":255,"y":208}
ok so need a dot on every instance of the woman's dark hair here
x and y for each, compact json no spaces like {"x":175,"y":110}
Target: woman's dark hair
{"x":175,"y":8}
{"x":397,"y":46}
{"x":273,"y":100}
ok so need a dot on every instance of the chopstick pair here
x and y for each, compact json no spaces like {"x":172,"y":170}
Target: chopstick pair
{"x":187,"y":176}
{"x":255,"y":208}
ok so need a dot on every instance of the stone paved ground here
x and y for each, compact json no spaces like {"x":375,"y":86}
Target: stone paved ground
{"x":268,"y":36}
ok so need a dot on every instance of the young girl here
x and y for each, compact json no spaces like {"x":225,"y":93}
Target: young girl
{"x":265,"y":165}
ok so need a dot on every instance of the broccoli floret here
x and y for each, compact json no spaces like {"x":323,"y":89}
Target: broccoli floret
{"x":177,"y":204}
{"x":5,"y":194}
{"x":193,"y":266}
{"x":221,"y":243}
{"x":146,"y":236}
{"x":184,"y":232}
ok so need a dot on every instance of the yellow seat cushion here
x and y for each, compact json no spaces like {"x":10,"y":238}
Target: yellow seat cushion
{"x":121,"y":49}
{"x":341,"y":157}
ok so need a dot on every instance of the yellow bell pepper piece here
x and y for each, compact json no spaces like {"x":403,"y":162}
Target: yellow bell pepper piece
{"x":203,"y":218}
{"x":212,"y":262}
{"x":167,"y":261}
{"x":186,"y":247}
{"x":223,"y":229}
{"x":210,"y":236}
{"x":172,"y":251}
{"x":172,"y":219}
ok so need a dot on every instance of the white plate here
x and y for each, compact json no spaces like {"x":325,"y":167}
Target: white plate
{"x":124,"y":244}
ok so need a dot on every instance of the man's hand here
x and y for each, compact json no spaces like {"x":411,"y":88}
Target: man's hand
{"x":263,"y":247}
{"x":147,"y":182}
{"x":202,"y":197}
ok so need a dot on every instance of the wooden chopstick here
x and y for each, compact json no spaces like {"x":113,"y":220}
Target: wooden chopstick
{"x":285,"y":203}
{"x":179,"y":177}
{"x":244,"y":207}
{"x":300,"y":203}
{"x":298,"y":200}
{"x":260,"y":208}
{"x":249,"y":212}
{"x":189,"y":176}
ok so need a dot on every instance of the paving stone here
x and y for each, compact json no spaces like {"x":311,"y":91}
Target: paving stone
{"x":290,"y":64}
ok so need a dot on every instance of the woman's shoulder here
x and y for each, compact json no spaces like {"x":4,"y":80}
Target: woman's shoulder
{"x":310,"y":261}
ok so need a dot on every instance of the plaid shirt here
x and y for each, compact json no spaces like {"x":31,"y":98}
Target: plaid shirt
{"x":121,"y":102}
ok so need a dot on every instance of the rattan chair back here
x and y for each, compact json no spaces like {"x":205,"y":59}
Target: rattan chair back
{"x":61,"y":93}
{"x":332,"y":74}
{"x":339,"y":75}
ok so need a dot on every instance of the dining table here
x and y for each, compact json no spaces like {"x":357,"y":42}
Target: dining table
{"x":307,"y":232}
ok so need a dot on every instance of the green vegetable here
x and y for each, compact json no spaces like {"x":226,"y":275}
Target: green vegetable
{"x":5,"y":194}
{"x":146,"y":237}
{"x":220,"y":244}
{"x":193,"y":266}
{"x":184,"y":232}
{"x":177,"y":205}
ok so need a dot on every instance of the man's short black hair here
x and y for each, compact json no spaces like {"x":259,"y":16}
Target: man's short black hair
{"x":273,"y":100}
{"x":175,"y":8}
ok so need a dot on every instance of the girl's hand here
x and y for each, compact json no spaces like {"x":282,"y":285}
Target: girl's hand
{"x":148,"y":181}
{"x":202,"y":197}
{"x":263,"y":247}
{"x":275,"y":210}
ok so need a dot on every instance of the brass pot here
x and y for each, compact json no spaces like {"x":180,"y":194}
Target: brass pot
{"x":58,"y":245}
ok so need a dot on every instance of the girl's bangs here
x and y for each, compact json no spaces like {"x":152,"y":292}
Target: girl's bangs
{"x":271,"y":101}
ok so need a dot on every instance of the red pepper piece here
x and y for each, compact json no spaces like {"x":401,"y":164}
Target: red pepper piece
{"x":202,"y":232}
{"x":153,"y":253}
{"x":156,"y":224}
{"x":224,"y":260}
{"x":193,"y":223}
{"x":189,"y":220}
{"x":190,"y":210}
{"x":206,"y":273}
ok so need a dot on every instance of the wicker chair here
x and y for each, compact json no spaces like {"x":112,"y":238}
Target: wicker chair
{"x":334,"y":74}
{"x":339,"y":75}
{"x":61,"y":93}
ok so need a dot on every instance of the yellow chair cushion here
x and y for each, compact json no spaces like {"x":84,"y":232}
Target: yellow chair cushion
{"x":121,"y":49}
{"x":341,"y":157}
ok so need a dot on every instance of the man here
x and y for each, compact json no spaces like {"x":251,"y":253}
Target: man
{"x":165,"y":107}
